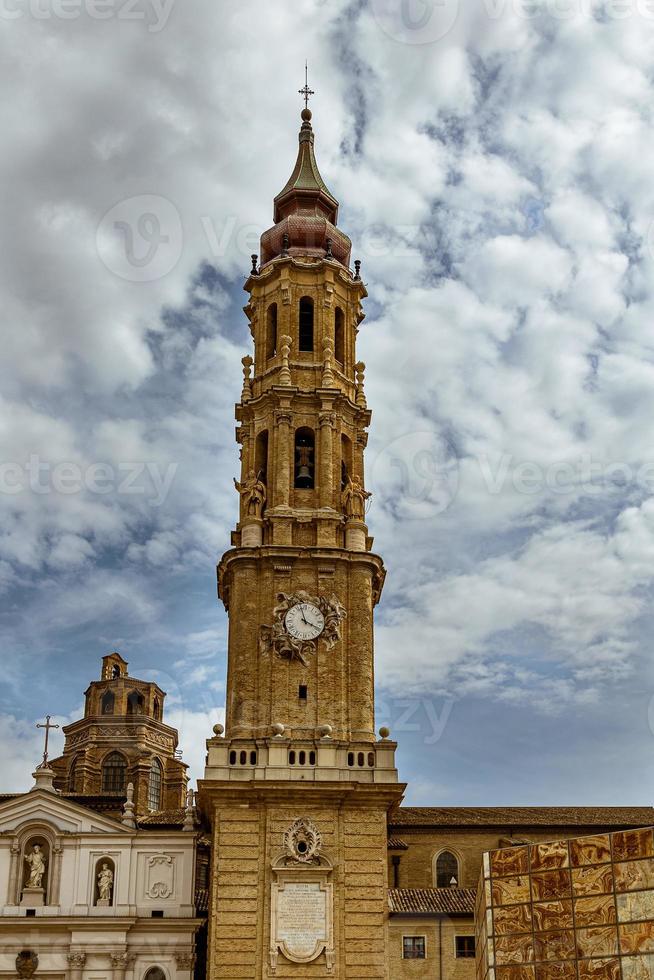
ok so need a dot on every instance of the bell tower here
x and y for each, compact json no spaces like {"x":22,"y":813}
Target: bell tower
{"x":298,"y":779}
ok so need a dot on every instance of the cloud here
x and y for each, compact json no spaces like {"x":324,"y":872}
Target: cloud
{"x":495,"y":179}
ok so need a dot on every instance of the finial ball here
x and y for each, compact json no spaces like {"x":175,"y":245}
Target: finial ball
{"x":306,"y":114}
{"x":384,"y":731}
{"x":218,"y":729}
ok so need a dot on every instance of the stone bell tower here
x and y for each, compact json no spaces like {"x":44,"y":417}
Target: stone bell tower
{"x":298,"y":786}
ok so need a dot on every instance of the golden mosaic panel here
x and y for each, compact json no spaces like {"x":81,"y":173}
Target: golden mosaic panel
{"x":630,"y":844}
{"x":595,"y":911}
{"x":509,"y":861}
{"x":547,"y":857}
{"x":597,"y":941}
{"x":591,"y":920}
{"x":593,"y":880}
{"x":550,"y":885}
{"x":590,"y":850}
{"x":511,"y":891}
{"x":632,"y":875}
{"x":512,"y":918}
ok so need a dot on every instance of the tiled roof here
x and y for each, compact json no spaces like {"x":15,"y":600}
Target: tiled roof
{"x":522,"y":816}
{"x":164,"y":818}
{"x":395,"y":844}
{"x":431,"y":901}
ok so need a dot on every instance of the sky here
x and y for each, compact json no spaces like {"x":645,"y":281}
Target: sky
{"x":493,"y":163}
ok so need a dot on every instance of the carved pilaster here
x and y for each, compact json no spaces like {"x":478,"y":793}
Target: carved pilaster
{"x":283,"y":420}
{"x":76,"y":962}
{"x":12,"y":892}
{"x":57,"y":857}
{"x":327,"y":422}
{"x":184,"y":959}
{"x":119,"y":963}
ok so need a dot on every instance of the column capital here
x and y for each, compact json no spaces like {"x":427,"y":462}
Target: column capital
{"x":76,"y":959}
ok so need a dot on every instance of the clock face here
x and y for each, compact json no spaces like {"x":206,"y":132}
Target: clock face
{"x":304,"y":621}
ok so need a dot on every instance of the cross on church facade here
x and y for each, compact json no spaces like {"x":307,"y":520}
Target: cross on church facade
{"x":306,"y":91}
{"x":47,"y":727}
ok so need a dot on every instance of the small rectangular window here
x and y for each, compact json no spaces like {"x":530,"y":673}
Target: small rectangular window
{"x":414,"y":947}
{"x":465,"y":946}
{"x":302,"y":694}
{"x":157,"y":913}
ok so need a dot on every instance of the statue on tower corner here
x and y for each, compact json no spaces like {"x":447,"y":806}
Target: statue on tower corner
{"x":253,"y":494}
{"x":354,"y":499}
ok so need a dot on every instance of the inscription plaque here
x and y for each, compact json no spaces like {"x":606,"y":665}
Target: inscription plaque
{"x":302,"y":918}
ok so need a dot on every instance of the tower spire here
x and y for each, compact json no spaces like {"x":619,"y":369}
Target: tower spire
{"x":306,"y":91}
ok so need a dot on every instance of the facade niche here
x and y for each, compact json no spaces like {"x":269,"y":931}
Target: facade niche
{"x":339,"y":335}
{"x":155,"y":973}
{"x":104,"y":882}
{"x":35,"y":861}
{"x":107,"y":703}
{"x":306,"y":324}
{"x":271,"y":331}
{"x":135,"y":703}
{"x":305,"y":459}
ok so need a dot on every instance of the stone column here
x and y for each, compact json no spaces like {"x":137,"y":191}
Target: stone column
{"x":13,"y":898}
{"x":55,"y":887}
{"x":118,"y":965}
{"x":327,"y":422}
{"x":184,"y":961}
{"x":76,"y":962}
{"x":284,"y":463}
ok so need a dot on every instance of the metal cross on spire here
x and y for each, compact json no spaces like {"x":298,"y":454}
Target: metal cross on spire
{"x":306,"y":91}
{"x":47,"y":727}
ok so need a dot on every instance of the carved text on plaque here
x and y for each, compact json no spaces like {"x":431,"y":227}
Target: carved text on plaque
{"x":302,"y":918}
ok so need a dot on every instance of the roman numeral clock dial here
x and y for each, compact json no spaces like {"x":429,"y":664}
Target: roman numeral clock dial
{"x":304,"y":621}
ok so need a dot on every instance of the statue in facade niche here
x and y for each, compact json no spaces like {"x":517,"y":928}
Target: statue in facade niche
{"x":105,"y":883}
{"x":253,"y":494}
{"x":36,"y":862}
{"x":354,"y":498}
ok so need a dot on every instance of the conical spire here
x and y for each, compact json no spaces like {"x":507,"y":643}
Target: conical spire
{"x":305,"y":187}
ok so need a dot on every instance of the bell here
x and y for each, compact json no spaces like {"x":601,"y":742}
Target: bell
{"x":304,"y":480}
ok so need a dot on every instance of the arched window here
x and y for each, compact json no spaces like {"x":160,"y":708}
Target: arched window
{"x":261,"y":456}
{"x":154,"y":786}
{"x":114,"y":773}
{"x":135,"y":703}
{"x":447,"y":870}
{"x":107,"y":703}
{"x":271,"y":330}
{"x":339,"y":335}
{"x":156,"y":709}
{"x":305,"y":459}
{"x":75,"y":775}
{"x":306,"y":324}
{"x":346,"y":460}
{"x":155,"y":973}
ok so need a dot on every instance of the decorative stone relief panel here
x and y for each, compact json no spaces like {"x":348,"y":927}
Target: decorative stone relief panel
{"x":302,"y":901}
{"x":160,"y":876}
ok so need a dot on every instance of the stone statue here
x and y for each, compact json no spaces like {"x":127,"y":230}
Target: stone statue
{"x":354,"y":498}
{"x":253,"y":494}
{"x":105,"y":883}
{"x":36,"y":862}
